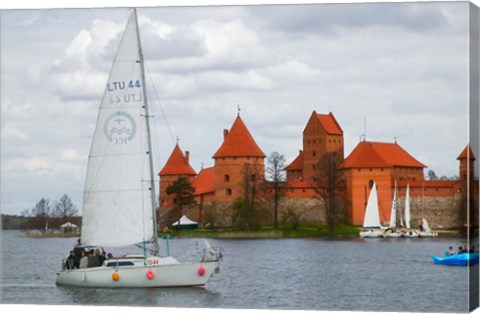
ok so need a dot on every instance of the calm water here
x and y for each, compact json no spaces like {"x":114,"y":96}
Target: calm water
{"x":367,"y":275}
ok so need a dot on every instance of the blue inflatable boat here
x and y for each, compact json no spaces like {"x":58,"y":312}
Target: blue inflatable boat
{"x":462,"y":259}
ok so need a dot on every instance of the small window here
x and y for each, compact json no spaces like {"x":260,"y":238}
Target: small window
{"x":229,"y":192}
{"x":314,"y":153}
{"x":226,"y":178}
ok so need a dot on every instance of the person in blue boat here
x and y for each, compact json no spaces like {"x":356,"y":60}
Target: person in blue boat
{"x":451,"y":251}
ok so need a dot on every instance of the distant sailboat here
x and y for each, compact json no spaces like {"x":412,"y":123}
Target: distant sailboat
{"x":409,"y":232}
{"x":119,"y":195}
{"x":371,"y":222}
{"x":391,"y":232}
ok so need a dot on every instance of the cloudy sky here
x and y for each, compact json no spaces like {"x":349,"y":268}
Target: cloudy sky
{"x":401,"y":67}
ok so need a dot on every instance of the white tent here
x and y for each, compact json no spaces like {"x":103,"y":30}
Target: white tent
{"x":68,"y":225}
{"x":185,"y":223}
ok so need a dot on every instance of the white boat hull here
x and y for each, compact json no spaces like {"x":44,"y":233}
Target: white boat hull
{"x":423,"y":234}
{"x":140,"y":276}
{"x":372,"y":234}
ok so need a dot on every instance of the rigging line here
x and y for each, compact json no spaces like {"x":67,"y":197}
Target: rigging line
{"x":161,"y":106}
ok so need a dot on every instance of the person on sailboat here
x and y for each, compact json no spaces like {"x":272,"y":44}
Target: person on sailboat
{"x":84,"y":260}
{"x":70,"y":261}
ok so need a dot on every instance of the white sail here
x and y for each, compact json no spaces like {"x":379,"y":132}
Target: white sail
{"x":425,"y":226}
{"x":372,"y":217}
{"x":117,"y":208}
{"x":407,"y":207}
{"x":393,"y":214}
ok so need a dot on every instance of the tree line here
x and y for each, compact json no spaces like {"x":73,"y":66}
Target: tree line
{"x":44,"y":215}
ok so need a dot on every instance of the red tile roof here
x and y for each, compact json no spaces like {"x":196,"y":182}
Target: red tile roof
{"x":375,"y":154}
{"x":177,"y":164}
{"x":205,"y":181}
{"x":297,"y":164}
{"x":467,"y":151}
{"x":239,"y":143}
{"x":329,"y":123}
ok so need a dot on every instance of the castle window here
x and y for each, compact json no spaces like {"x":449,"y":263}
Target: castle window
{"x":229,"y":192}
{"x":370,"y":184}
{"x":314,"y":153}
{"x":253,"y":177}
{"x":226,"y":178}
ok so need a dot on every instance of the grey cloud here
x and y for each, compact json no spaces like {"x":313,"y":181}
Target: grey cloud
{"x":330,"y":18}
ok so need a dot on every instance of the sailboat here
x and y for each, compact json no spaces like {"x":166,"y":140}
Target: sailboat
{"x":119,"y":195}
{"x":408,"y":232}
{"x":371,"y":222}
{"x":391,"y":231}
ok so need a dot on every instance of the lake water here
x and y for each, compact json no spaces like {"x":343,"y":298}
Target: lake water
{"x":311,"y":274}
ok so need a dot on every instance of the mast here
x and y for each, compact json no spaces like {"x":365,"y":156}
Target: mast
{"x":149,"y":139}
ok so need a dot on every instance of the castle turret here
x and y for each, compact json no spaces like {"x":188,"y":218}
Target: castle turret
{"x":322,"y":135}
{"x":237,"y":150}
{"x":467,"y":160}
{"x":176,"y":166}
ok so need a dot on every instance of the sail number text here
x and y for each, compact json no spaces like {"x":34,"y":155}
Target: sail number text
{"x":121,"y":85}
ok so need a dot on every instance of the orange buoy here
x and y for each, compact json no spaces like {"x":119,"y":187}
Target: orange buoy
{"x":115,"y":276}
{"x":150,"y":274}
{"x":201,"y":271}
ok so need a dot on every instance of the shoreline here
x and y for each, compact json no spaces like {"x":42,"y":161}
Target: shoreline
{"x":270,"y":233}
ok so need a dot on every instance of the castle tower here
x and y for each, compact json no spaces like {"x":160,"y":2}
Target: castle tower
{"x":237,"y":150}
{"x":467,"y":160}
{"x":322,"y":135}
{"x":176,"y":166}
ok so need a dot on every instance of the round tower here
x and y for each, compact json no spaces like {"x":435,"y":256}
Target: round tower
{"x":237,"y":150}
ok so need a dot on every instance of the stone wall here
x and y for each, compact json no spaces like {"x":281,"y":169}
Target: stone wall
{"x":441,"y":211}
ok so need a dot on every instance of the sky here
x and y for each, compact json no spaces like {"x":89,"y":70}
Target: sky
{"x":395,"y":71}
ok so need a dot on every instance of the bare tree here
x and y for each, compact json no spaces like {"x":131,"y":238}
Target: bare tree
{"x":330,"y":187}
{"x":65,"y":208}
{"x":248,"y":210}
{"x":276,"y":175}
{"x":41,"y":214}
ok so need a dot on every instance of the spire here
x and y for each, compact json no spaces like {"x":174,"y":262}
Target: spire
{"x":239,"y":142}
{"x":177,"y":164}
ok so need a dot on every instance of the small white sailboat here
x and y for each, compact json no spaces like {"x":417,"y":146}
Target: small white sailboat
{"x":391,"y":231}
{"x":119,"y":195}
{"x":371,"y":222}
{"x":426,"y":231}
{"x":408,"y":232}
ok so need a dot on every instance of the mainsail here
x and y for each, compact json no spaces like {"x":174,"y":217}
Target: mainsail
{"x":372,"y":217}
{"x":393,"y":214}
{"x":407,"y":207}
{"x":119,"y":192}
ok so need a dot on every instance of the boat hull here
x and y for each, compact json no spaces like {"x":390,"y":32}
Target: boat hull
{"x":376,"y":233}
{"x":462,"y":259}
{"x":140,"y":276}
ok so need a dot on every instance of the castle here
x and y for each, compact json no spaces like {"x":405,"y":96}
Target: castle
{"x":443,"y":202}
